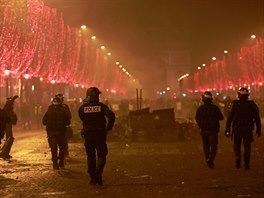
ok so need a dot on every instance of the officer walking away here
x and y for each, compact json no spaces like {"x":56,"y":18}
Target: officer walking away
{"x":68,"y":133}
{"x":56,"y":119}
{"x":95,"y":128}
{"x":207,"y":117}
{"x":243,"y":115}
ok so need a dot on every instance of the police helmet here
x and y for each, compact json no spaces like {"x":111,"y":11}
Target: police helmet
{"x":56,"y":101}
{"x":207,"y":96}
{"x":93,"y":91}
{"x":61,"y":96}
{"x":243,"y":93}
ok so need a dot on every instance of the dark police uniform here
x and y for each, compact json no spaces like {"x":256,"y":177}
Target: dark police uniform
{"x":56,"y":119}
{"x":95,"y":127}
{"x":207,"y":117}
{"x":242,"y":117}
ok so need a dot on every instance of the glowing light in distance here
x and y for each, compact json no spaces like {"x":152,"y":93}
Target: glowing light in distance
{"x":7,"y":72}
{"x":26,"y":76}
{"x":102,"y":47}
{"x":203,"y":65}
{"x":213,"y":58}
{"x":225,"y":51}
{"x":93,"y":37}
{"x":117,"y":63}
{"x":83,"y":27}
{"x":183,"y":76}
{"x":109,"y":53}
{"x":198,"y":67}
{"x":253,"y":36}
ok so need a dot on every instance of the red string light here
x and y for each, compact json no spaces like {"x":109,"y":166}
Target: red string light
{"x":34,"y":40}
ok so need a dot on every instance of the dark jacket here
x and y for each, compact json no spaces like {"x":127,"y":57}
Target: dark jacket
{"x":208,"y":116}
{"x":242,"y":116}
{"x":56,"y":119}
{"x":4,"y":119}
{"x":94,"y":114}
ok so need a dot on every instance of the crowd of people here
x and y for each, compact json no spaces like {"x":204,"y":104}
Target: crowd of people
{"x":242,"y":117}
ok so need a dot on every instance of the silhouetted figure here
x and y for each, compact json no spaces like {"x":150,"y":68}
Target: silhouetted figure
{"x":8,"y":110}
{"x":56,"y":119}
{"x":207,"y":117}
{"x":227,"y":103}
{"x":243,"y":115}
{"x":95,"y":128}
{"x":38,"y":113}
{"x":25,"y":116}
{"x":69,"y":131}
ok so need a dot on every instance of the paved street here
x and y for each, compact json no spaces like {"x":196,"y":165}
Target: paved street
{"x":133,"y":170}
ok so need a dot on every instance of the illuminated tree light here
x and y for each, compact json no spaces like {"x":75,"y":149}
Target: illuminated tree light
{"x":231,"y":70}
{"x":39,"y":43}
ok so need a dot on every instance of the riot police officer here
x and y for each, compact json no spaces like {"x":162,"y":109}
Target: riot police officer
{"x":67,"y":135}
{"x":207,"y":117}
{"x":93,"y":114}
{"x":243,"y":115}
{"x":56,"y":119}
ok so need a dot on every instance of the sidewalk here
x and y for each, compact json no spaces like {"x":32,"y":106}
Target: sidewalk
{"x":133,"y":170}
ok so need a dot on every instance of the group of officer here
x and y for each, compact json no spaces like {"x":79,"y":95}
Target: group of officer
{"x":242,"y":117}
{"x":93,"y":114}
{"x":97,"y":120}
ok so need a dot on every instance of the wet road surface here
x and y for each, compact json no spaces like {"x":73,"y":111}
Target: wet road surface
{"x":133,"y":170}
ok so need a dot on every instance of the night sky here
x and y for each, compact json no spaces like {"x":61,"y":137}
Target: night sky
{"x":138,"y":31}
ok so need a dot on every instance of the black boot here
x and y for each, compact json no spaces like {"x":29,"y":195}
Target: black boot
{"x":98,"y":178}
{"x":93,"y":179}
{"x":55,"y":165}
{"x":246,"y":161}
{"x":61,"y":163}
{"x":6,"y":149}
{"x":210,"y":163}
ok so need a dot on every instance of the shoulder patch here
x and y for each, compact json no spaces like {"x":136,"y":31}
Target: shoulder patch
{"x":92,"y":109}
